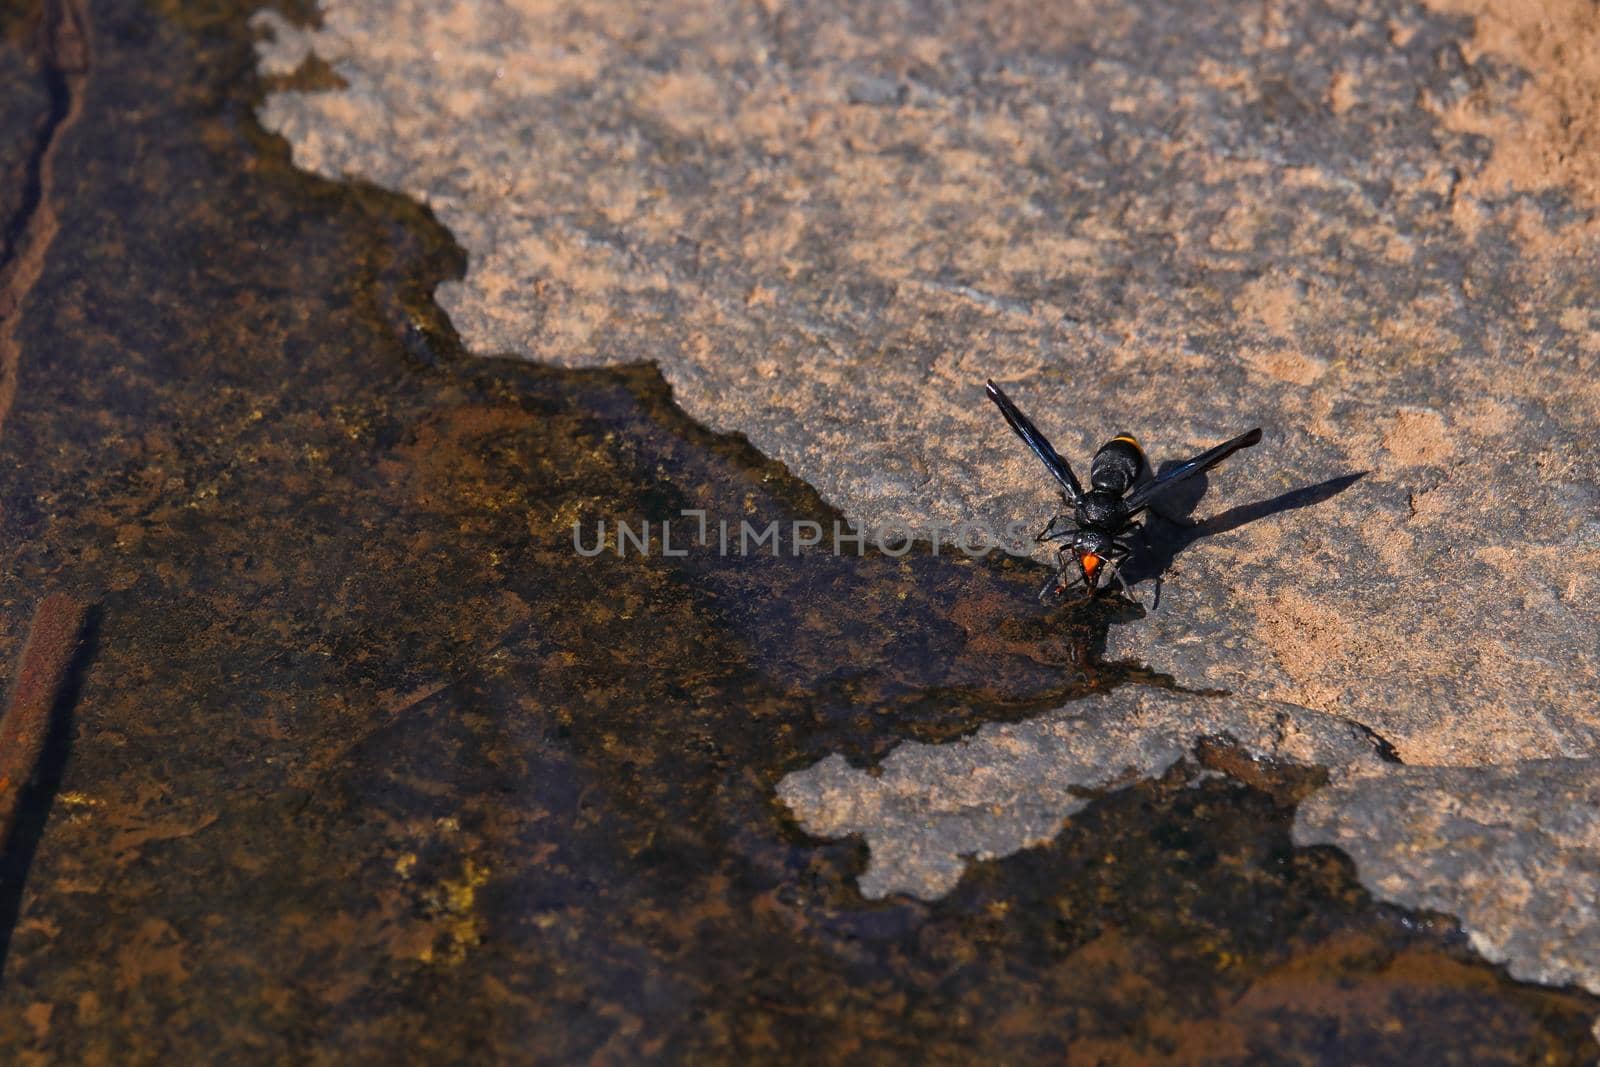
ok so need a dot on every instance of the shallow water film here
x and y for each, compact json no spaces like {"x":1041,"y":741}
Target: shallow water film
{"x":354,"y":759}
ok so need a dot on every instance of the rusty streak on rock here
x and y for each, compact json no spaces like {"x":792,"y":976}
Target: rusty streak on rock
{"x":46,"y":658}
{"x":63,"y":50}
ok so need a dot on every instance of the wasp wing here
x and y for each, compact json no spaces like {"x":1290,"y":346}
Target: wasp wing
{"x":1037,"y":441}
{"x":1141,"y":496}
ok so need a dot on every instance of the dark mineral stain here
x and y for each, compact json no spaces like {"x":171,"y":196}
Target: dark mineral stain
{"x":370,"y":766}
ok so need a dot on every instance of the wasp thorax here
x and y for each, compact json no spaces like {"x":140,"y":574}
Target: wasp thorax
{"x":1099,"y":508}
{"x":1093,"y":542}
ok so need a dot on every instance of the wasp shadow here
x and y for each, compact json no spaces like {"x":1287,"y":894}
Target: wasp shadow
{"x":1171,"y":529}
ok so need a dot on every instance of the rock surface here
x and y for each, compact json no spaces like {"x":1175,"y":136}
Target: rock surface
{"x":828,"y":225}
{"x":1369,"y":229}
{"x":1514,"y":851}
{"x":930,"y":808}
{"x":362,"y":765}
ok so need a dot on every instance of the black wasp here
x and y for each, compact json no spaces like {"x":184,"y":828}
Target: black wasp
{"x":1103,"y":517}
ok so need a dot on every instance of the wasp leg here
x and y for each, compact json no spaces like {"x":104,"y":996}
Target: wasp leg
{"x":1057,"y":528}
{"x":1059,"y":583}
{"x":1158,"y":579}
{"x":1056,"y":586}
{"x":1127,"y":591}
{"x":1113,"y":573}
{"x":1115,"y":559}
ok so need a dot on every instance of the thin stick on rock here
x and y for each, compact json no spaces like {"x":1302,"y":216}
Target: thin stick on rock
{"x":46,"y":660}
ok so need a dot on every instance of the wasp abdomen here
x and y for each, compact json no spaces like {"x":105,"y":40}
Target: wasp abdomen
{"x":1117,"y":465}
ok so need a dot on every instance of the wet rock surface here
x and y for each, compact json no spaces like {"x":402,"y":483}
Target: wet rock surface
{"x":367,"y":765}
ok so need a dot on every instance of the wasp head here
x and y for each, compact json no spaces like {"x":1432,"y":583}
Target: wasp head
{"x":1092,"y":549}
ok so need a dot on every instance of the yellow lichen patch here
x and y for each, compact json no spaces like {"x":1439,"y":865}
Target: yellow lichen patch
{"x":37,"y":1016}
{"x":455,"y":901}
{"x":1479,"y":735}
{"x":1237,"y":230}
